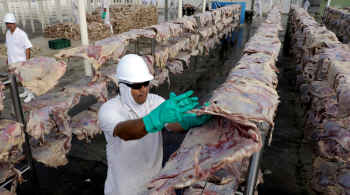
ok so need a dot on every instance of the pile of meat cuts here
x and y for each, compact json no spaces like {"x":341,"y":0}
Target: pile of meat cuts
{"x":338,"y":21}
{"x":96,"y":31}
{"x":323,"y":64}
{"x":127,"y":17}
{"x":225,"y":143}
{"x":3,"y":51}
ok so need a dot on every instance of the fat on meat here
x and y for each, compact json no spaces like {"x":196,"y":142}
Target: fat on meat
{"x":184,"y":42}
{"x":160,"y":76}
{"x":205,"y":150}
{"x":98,"y":89}
{"x":259,"y":58}
{"x":172,"y":48}
{"x":243,"y":99}
{"x":206,"y":32}
{"x":265,"y":45}
{"x":163,"y":32}
{"x":135,"y":33}
{"x":213,"y":189}
{"x":49,"y":112}
{"x":161,"y":55}
{"x":175,"y":29}
{"x":175,"y":66}
{"x":51,"y":150}
{"x":338,"y":73}
{"x":85,"y":125}
{"x":150,"y":63}
{"x":39,"y":75}
{"x":206,"y":18}
{"x":12,"y":138}
{"x":118,"y":44}
{"x":2,"y":86}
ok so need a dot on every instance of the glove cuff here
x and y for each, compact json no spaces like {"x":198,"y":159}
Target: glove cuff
{"x":147,"y":120}
{"x":184,"y":125}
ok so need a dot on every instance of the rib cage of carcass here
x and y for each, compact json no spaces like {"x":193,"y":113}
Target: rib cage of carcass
{"x":323,"y":71}
{"x":338,"y":21}
{"x":228,"y":139}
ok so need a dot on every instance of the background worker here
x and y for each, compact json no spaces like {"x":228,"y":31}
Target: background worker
{"x":306,"y":5}
{"x":104,"y":13}
{"x":258,"y":8}
{"x":18,"y":47}
{"x":132,"y":124}
{"x":154,"y":2}
{"x":75,"y":11}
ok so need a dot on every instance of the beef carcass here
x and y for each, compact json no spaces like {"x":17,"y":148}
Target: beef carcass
{"x":161,"y":55}
{"x":85,"y":125}
{"x":97,"y":55}
{"x":194,"y":38}
{"x":51,"y":150}
{"x":216,"y":15}
{"x":259,"y":58}
{"x":163,"y":32}
{"x":49,"y":111}
{"x":184,"y":42}
{"x":185,"y":56}
{"x":338,"y":73}
{"x":175,"y":66}
{"x":8,"y":170}
{"x":213,"y":189}
{"x":160,"y":76}
{"x":135,"y":33}
{"x":98,"y":89}
{"x":2,"y":86}
{"x":118,"y":44}
{"x":209,"y":45}
{"x":265,"y":45}
{"x":206,"y":32}
{"x":205,"y":150}
{"x":343,"y":97}
{"x":172,"y":49}
{"x":189,"y":23}
{"x":150,"y":63}
{"x":39,"y":75}
{"x":175,"y":29}
{"x":110,"y":73}
{"x":12,"y":138}
{"x":317,"y":89}
{"x":243,"y":99}
{"x":206,"y":18}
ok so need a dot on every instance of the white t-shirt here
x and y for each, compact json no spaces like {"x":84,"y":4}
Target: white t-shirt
{"x":154,"y":2}
{"x":16,"y":44}
{"x":131,"y":164}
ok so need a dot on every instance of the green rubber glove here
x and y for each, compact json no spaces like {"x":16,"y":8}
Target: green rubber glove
{"x":170,"y":111}
{"x":192,"y":121}
{"x":104,"y":15}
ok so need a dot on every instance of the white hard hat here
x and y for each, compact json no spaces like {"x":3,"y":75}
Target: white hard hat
{"x":133,"y":68}
{"x":10,"y":18}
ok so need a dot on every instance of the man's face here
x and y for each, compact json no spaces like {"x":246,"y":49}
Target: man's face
{"x":11,"y":26}
{"x":140,"y":95}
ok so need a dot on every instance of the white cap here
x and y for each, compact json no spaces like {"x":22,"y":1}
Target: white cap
{"x":10,"y":18}
{"x":133,"y":68}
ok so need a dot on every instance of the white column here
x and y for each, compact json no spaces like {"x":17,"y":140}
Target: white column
{"x":95,"y":4}
{"x":204,"y":5}
{"x":31,"y":16}
{"x":89,"y":6}
{"x":60,"y":9}
{"x":6,"y":7}
{"x":329,"y":2}
{"x":42,"y":15}
{"x":84,"y":33}
{"x":179,"y":11}
{"x":270,"y":4}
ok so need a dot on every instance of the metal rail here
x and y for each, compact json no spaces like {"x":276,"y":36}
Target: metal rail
{"x":20,"y":119}
{"x":153,"y":53}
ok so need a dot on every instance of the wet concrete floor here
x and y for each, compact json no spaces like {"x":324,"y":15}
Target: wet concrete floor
{"x":288,"y":158}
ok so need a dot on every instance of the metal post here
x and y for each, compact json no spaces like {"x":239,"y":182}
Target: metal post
{"x":6,"y":7}
{"x":204,"y":4}
{"x":31,"y":15}
{"x":19,"y":115}
{"x":42,"y":14}
{"x":89,"y":6}
{"x":136,"y":42}
{"x":60,"y":10}
{"x":95,"y":4}
{"x":84,"y":33}
{"x":253,"y":169}
{"x":329,"y":2}
{"x":179,"y":11}
{"x":153,"y":51}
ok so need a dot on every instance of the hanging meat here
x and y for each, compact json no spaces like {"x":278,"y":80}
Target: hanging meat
{"x":12,"y":138}
{"x":39,"y":75}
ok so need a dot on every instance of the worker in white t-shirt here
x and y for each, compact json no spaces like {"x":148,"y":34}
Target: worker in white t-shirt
{"x":18,"y":47}
{"x":132,"y":124}
{"x":75,"y":12}
{"x":154,"y":2}
{"x":104,"y":13}
{"x":306,"y":5}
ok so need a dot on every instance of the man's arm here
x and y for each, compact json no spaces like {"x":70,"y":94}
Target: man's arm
{"x":28,"y":54}
{"x":105,"y":10}
{"x":130,"y":130}
{"x":176,"y":127}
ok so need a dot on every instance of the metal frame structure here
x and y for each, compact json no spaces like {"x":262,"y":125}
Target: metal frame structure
{"x":20,"y":119}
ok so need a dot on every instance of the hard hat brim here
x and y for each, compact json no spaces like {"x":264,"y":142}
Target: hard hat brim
{"x":144,"y":78}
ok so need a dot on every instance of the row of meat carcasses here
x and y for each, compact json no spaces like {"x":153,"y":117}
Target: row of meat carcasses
{"x":220,"y":149}
{"x":338,"y":21}
{"x":48,"y":121}
{"x":323,"y":67}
